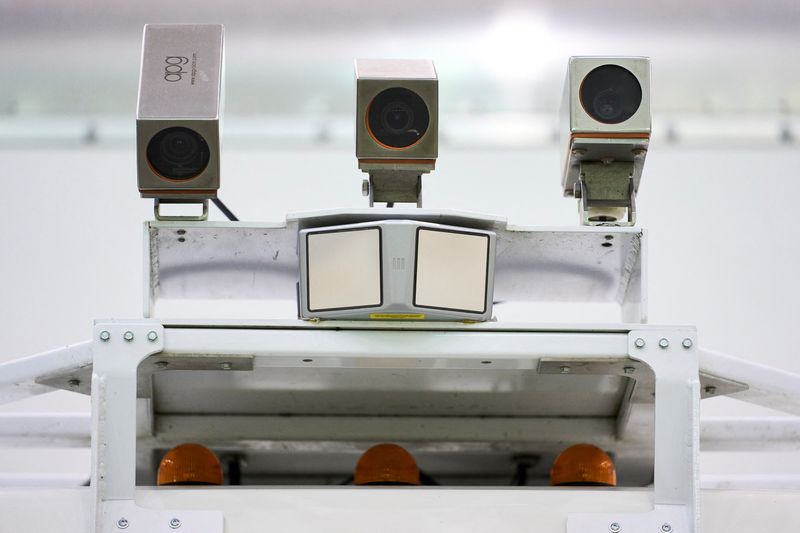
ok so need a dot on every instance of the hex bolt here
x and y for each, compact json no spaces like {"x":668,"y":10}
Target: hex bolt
{"x":663,"y":343}
{"x":128,"y":336}
{"x":105,"y":336}
{"x":710,"y":389}
{"x":666,"y":528}
{"x":162,"y":364}
{"x":614,"y":527}
{"x":639,"y":343}
{"x":629,"y":370}
{"x":174,"y":523}
{"x":577,"y":152}
{"x":74,"y":383}
{"x":122,"y":523}
{"x":152,"y":336}
{"x":687,"y":343}
{"x":565,"y":369}
{"x":639,"y":152}
{"x":365,"y":188}
{"x":225,"y":366}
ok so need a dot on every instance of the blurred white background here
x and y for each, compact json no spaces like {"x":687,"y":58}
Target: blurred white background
{"x":716,"y":195}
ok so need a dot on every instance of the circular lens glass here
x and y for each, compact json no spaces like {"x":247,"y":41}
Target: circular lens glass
{"x":397,"y":117}
{"x":178,"y":153}
{"x":611,"y":94}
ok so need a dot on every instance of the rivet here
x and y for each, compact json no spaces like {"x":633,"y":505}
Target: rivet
{"x":128,"y":336}
{"x":122,"y":523}
{"x":174,"y":523}
{"x":666,"y":528}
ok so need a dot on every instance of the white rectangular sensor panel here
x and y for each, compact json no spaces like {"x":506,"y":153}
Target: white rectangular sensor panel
{"x":451,"y":270}
{"x":344,"y":269}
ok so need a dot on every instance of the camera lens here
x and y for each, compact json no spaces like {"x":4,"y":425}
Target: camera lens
{"x":397,"y":117}
{"x":178,"y":153}
{"x":610,"y":94}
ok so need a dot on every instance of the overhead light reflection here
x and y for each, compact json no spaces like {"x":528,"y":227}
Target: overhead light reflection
{"x":517,"y":46}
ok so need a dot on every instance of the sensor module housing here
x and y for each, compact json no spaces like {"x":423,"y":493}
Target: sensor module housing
{"x":396,"y":270}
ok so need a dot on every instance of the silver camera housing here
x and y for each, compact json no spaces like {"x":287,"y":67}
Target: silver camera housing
{"x":584,"y":138}
{"x":373,"y":76}
{"x":180,"y":86}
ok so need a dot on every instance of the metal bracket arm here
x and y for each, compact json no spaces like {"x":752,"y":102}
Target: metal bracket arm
{"x":607,"y":195}
{"x":118,"y":350}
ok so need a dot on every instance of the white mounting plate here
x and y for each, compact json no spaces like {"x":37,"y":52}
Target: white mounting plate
{"x":246,"y":270}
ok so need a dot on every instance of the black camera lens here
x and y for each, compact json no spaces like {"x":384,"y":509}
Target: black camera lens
{"x":397,"y":117}
{"x":610,"y":94}
{"x":178,"y":153}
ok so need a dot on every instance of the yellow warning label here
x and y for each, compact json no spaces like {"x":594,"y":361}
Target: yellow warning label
{"x":397,"y":316}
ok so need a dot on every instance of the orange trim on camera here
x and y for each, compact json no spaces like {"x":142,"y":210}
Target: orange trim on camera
{"x":610,"y":135}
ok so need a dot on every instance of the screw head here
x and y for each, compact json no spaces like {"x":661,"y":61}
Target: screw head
{"x":639,"y":343}
{"x":629,"y":370}
{"x":687,"y":343}
{"x":122,"y":523}
{"x":663,"y":343}
{"x":225,"y":366}
{"x":614,"y":527}
{"x":152,"y":336}
{"x":105,"y":336}
{"x":666,"y":528}
{"x":128,"y":336}
{"x":174,"y":523}
{"x":564,"y":369}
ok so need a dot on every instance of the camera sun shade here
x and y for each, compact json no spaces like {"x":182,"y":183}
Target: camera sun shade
{"x":178,"y":113}
{"x":396,"y":270}
{"x":606,"y":127}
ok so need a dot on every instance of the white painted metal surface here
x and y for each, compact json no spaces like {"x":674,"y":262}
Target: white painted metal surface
{"x":120,"y":347}
{"x":400,"y":510}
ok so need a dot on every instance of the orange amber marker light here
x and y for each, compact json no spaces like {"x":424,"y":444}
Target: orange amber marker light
{"x":387,"y":464}
{"x":583,"y":464}
{"x":190,"y":464}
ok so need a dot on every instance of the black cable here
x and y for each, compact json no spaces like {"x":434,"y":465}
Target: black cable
{"x":225,"y":211}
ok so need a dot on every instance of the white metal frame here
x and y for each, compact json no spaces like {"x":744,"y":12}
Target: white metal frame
{"x":119,"y":348}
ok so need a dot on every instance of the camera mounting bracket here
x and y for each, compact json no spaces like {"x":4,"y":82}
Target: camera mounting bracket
{"x":606,"y":192}
{"x":397,"y":181}
{"x":180,"y":218}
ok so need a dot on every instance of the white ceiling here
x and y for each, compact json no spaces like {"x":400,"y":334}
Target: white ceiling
{"x":293,"y":56}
